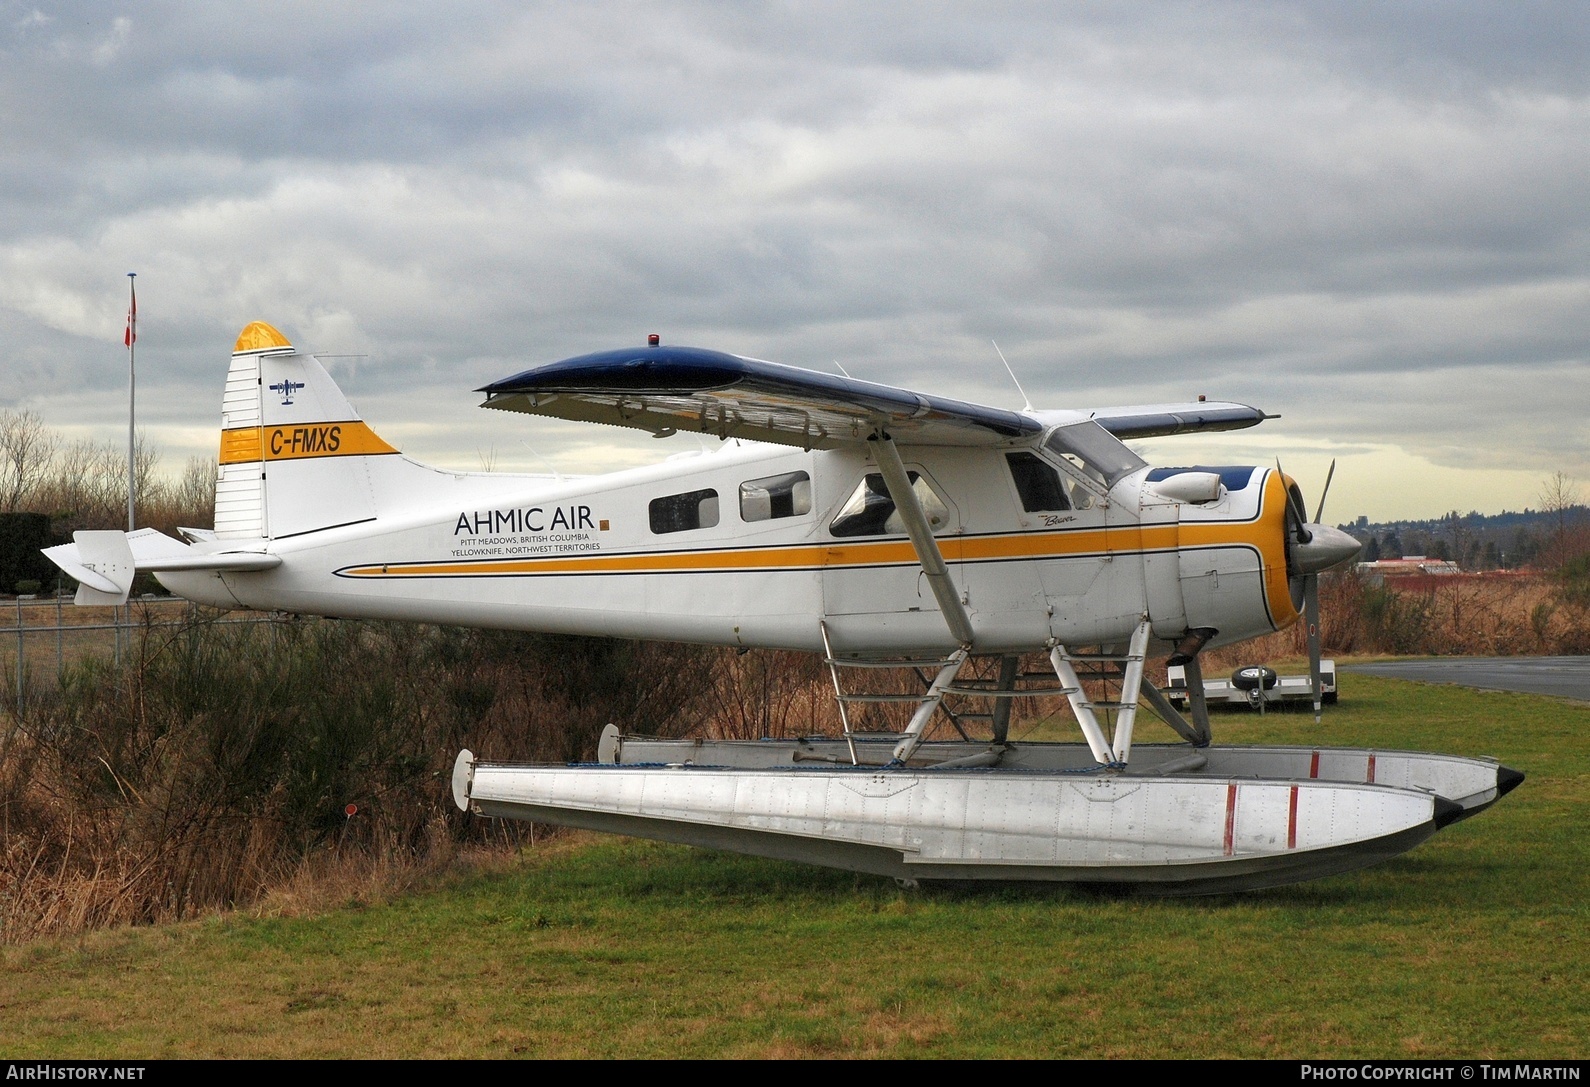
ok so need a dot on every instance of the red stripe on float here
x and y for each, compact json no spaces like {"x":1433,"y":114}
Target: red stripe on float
{"x":1231,"y":816}
{"x":1313,"y":766}
{"x":1291,"y":819}
{"x":1371,"y":780}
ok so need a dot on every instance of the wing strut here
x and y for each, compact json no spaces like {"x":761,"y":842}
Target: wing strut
{"x":909,"y":507}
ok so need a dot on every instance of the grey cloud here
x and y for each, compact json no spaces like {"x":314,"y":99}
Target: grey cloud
{"x":1323,"y":208}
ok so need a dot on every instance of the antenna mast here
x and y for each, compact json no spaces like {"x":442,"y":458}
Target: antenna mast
{"x":1026,"y":402}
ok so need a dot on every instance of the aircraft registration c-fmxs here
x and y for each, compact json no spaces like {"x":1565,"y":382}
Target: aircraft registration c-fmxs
{"x":874,"y":525}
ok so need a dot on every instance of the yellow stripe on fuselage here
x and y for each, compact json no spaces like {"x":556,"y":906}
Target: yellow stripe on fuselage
{"x":343,"y":439}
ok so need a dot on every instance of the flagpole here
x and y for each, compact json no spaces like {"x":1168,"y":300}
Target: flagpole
{"x":132,"y":383}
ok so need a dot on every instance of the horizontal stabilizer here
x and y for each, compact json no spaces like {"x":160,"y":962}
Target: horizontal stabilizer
{"x":233,"y":561}
{"x":101,"y":561}
{"x":104,"y":562}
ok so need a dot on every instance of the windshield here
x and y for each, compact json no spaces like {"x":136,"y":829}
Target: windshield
{"x":1095,"y":450}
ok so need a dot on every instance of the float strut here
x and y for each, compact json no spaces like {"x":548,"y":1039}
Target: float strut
{"x":930,"y":702}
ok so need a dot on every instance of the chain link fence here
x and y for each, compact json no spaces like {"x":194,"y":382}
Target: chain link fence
{"x":41,"y":636}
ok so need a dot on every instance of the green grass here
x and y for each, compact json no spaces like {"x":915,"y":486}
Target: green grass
{"x":1475,"y":944}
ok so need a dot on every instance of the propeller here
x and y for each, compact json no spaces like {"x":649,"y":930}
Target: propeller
{"x":1294,"y":502}
{"x":1315,"y":547}
{"x":1319,"y":511}
{"x":1311,"y":605}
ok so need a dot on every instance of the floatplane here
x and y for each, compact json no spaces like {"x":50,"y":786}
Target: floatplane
{"x":879,"y":527}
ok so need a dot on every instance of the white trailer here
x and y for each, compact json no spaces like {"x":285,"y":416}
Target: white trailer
{"x":1254,"y":686}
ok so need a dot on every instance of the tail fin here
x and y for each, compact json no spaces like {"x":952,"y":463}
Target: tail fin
{"x":294,"y":454}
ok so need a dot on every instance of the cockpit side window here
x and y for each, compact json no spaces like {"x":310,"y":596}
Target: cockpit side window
{"x":1095,"y":450}
{"x":871,"y":512}
{"x":683,"y":512}
{"x":1037,"y":483}
{"x":788,"y":495}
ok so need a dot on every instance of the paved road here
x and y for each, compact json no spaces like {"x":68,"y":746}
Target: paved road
{"x":1564,"y":677}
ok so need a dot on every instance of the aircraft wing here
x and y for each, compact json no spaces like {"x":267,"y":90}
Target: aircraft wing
{"x":664,"y":389}
{"x":668,"y":389}
{"x":1158,"y":420}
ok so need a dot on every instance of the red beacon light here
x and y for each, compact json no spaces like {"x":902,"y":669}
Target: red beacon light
{"x":653,"y":340}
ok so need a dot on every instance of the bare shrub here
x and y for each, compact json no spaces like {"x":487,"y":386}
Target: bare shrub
{"x":222,"y":761}
{"x":779,"y":693}
{"x":546,"y":698}
{"x":772,"y":693}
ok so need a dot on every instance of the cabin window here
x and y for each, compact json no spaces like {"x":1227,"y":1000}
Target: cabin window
{"x":683,"y":512}
{"x":1037,"y":482}
{"x":788,"y":495}
{"x":870,"y":511}
{"x":1097,"y":452}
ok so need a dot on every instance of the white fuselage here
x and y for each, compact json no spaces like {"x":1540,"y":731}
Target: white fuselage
{"x":594,"y":556}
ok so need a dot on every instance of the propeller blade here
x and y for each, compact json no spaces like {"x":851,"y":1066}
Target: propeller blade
{"x":1295,"y":505}
{"x":1311,"y":621}
{"x":1319,"y":514}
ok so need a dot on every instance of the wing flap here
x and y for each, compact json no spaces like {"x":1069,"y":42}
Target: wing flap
{"x":668,"y":389}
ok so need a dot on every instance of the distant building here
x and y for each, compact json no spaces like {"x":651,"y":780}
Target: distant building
{"x":1378,"y":571}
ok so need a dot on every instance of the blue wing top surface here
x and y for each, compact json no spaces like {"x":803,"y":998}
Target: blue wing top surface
{"x":665,"y":389}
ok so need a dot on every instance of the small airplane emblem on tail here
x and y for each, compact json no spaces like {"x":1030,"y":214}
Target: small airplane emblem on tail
{"x":287,"y":386}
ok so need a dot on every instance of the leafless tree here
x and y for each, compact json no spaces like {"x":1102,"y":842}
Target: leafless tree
{"x":1559,"y":498}
{"x":88,"y":488}
{"x":27,"y":451}
{"x":186,"y":502}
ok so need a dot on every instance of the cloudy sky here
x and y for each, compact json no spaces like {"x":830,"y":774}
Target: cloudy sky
{"x":1368,"y":217}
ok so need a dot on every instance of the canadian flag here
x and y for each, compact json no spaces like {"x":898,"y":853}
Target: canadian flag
{"x":131,"y":336}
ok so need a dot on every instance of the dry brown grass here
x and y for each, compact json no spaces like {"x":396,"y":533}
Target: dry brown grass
{"x":1498,"y":614}
{"x":334,"y":877}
